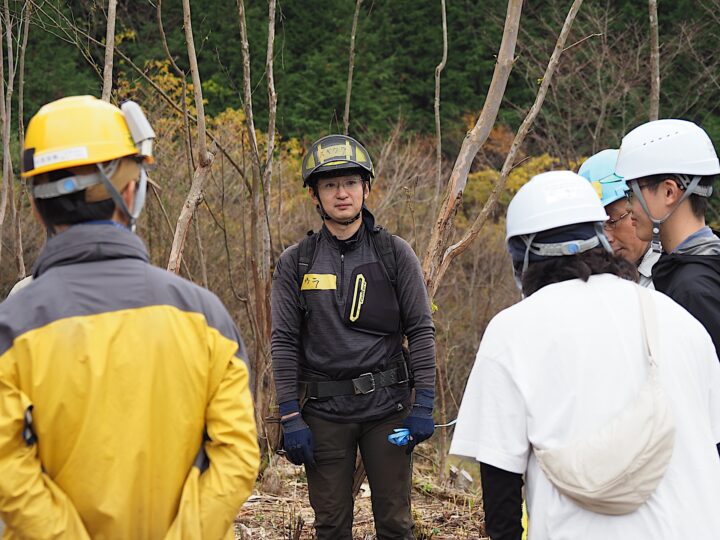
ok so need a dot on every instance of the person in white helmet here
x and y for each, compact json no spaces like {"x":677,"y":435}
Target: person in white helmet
{"x":561,"y":366}
{"x":670,"y":166}
{"x":599,"y":170}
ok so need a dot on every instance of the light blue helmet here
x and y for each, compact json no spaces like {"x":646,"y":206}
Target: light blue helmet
{"x":600,"y":171}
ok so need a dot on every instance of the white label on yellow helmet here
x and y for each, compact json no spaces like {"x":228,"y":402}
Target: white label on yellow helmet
{"x":59,"y":156}
{"x":338,"y":150}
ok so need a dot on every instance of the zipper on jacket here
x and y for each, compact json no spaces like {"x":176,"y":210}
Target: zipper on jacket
{"x":342,"y":273}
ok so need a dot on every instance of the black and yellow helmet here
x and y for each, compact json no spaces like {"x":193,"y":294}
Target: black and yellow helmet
{"x":335,"y":153}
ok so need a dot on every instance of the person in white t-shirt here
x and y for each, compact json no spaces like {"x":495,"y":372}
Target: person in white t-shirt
{"x":566,"y":360}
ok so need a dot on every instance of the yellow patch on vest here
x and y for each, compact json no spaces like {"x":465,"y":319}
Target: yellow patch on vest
{"x":319,"y":282}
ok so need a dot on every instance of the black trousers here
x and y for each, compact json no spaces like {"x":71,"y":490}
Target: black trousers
{"x":389,"y":472}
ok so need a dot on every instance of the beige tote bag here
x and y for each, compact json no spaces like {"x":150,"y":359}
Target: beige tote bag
{"x":617,"y":469}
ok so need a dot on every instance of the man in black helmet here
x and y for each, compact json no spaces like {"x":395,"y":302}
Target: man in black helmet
{"x":342,"y":300}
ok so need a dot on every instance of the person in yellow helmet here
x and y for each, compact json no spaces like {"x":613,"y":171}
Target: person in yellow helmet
{"x":125,"y":409}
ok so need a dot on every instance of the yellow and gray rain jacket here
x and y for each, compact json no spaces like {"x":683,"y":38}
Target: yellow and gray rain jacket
{"x":125,"y":409}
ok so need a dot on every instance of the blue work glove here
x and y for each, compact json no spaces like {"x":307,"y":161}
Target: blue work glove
{"x":420,"y":420}
{"x":298,"y":440}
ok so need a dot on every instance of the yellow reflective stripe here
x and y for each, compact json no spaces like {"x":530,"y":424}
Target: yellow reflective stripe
{"x":337,"y":162}
{"x":100,"y":374}
{"x":319,"y":282}
{"x":358,"y":297}
{"x":598,"y":188}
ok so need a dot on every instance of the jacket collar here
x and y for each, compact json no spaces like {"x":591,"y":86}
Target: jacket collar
{"x":88,"y":243}
{"x":703,"y":242}
{"x":344,"y":245}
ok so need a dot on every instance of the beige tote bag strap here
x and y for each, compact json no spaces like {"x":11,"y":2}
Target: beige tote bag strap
{"x":649,"y":323}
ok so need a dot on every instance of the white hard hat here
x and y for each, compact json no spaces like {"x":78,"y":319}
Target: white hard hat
{"x":553,"y":199}
{"x":667,"y":146}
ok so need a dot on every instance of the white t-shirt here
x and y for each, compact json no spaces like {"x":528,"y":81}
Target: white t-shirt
{"x":563,"y":362}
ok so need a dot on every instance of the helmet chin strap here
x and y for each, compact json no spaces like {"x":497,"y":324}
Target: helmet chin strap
{"x":106,"y":172}
{"x":689,"y":188}
{"x":326,"y":217}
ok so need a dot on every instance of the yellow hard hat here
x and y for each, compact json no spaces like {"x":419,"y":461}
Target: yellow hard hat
{"x":75,"y":131}
{"x":335,"y":153}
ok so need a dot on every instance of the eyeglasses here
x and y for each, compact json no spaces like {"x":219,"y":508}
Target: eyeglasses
{"x":631,"y":192}
{"x":610,"y":224}
{"x":331,"y":186}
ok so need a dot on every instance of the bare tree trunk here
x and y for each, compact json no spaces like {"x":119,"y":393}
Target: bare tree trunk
{"x":458,"y":248}
{"x":472,"y":143}
{"x":187,"y":139}
{"x":351,"y":66}
{"x":654,"y":61}
{"x":19,"y":255}
{"x":440,"y":384}
{"x":258,"y":321}
{"x":247,"y":89}
{"x":267,"y":173}
{"x":109,"y":50}
{"x":260,"y":240}
{"x":255,"y":193}
{"x":438,"y":134}
{"x":6,"y":92}
{"x":205,"y":157}
{"x":201,"y":250}
{"x":4,"y":119}
{"x":263,"y":379}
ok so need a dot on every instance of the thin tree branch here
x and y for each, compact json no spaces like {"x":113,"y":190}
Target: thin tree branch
{"x":472,"y":143}
{"x":187,"y":140}
{"x":169,"y":224}
{"x":109,"y":47}
{"x":21,"y":131}
{"x":205,"y":157}
{"x":654,"y":61}
{"x":6,"y":93}
{"x":351,"y":66}
{"x":247,"y":91}
{"x":438,"y":133}
{"x":163,"y":40}
{"x":272,"y":113}
{"x":152,"y":83}
{"x":458,"y":248}
{"x":583,"y":40}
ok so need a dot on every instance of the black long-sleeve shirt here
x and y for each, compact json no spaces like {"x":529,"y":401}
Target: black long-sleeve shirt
{"x":502,"y":501}
{"x":319,"y":345}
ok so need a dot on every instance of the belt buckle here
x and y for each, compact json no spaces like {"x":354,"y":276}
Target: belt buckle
{"x":364,"y":377}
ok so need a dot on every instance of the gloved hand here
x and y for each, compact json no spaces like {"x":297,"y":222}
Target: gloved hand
{"x":420,"y":420}
{"x":298,"y":440}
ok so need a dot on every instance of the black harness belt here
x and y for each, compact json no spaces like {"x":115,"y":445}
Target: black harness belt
{"x":364,"y":384}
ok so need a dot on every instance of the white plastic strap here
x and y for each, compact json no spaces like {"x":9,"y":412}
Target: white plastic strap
{"x":649,"y":322}
{"x":65,"y":186}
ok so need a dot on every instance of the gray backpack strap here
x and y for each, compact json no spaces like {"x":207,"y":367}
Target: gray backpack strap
{"x":385,"y":247}
{"x":306,"y":255}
